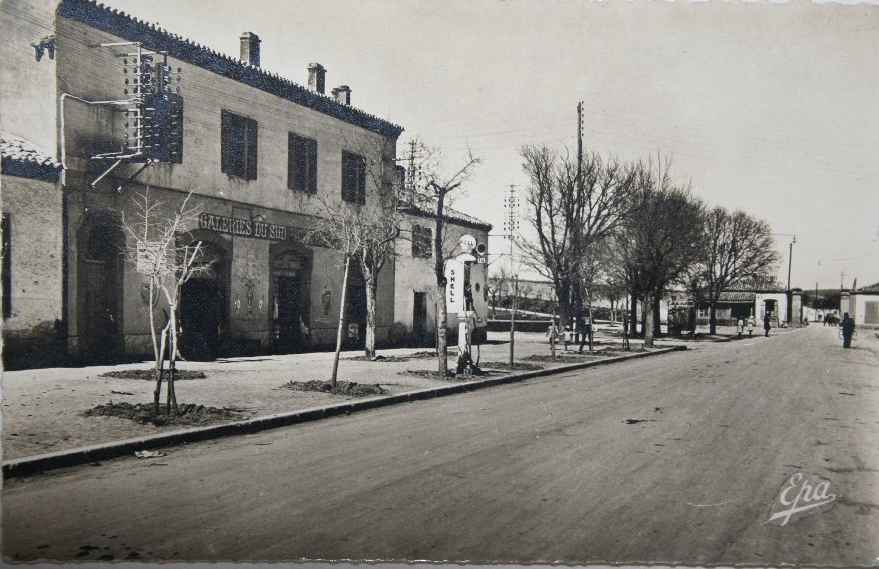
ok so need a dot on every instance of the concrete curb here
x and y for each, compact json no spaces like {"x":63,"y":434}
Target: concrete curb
{"x":40,"y":463}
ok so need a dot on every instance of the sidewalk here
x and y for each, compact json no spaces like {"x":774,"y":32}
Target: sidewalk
{"x":42,"y":409}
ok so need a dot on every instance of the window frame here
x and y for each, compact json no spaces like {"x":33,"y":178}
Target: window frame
{"x":359,"y":190}
{"x":234,"y":161}
{"x":426,"y":234}
{"x":308,"y":147}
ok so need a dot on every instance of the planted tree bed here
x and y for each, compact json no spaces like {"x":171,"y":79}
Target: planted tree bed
{"x":150,"y":374}
{"x":349,"y":388}
{"x":562,"y":357}
{"x":522,"y":366}
{"x":395,"y":359}
{"x":187,"y":413}
{"x":450,"y":374}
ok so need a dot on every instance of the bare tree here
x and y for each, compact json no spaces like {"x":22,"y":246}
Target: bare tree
{"x":733,"y":247}
{"x":661,"y":234}
{"x":364,"y":236}
{"x":437,"y":189}
{"x":163,"y":253}
{"x":497,"y":283}
{"x":571,"y":207}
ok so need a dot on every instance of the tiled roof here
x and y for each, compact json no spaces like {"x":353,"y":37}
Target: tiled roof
{"x":23,"y":158}
{"x":153,"y":37}
{"x":425,"y":207}
{"x":870,"y":288}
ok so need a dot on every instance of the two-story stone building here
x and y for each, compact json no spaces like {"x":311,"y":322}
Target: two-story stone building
{"x":264,"y":160}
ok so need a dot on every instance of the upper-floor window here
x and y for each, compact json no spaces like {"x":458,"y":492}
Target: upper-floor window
{"x":239,"y":143}
{"x":301,"y":163}
{"x":6,"y":252}
{"x":353,"y":178}
{"x":422,"y":238}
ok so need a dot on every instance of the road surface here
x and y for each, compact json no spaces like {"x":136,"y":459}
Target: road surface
{"x":546,"y":470}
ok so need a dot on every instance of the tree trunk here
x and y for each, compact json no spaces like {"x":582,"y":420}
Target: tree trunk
{"x":172,"y":365}
{"x":371,"y":289}
{"x":644,"y":310}
{"x":633,"y":317}
{"x":712,"y":318}
{"x":339,"y":331}
{"x":563,"y":291}
{"x":160,"y":365}
{"x":657,"y":317}
{"x":647,"y":310}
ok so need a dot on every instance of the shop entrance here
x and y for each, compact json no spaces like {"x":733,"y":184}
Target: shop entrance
{"x":291,"y":272}
{"x":203,"y":308}
{"x":100,"y":290}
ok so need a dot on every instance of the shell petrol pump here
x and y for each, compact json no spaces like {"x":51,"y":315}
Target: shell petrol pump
{"x":466,"y":275}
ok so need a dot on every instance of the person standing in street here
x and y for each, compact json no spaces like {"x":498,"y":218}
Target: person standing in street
{"x":848,"y":330}
{"x":766,"y":324}
{"x":751,"y":325}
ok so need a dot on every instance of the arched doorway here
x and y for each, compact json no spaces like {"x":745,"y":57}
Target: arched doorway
{"x":99,"y":243}
{"x":291,"y":298}
{"x":203,"y":306}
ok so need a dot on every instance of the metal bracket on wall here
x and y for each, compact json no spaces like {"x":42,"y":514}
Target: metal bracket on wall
{"x":47,"y":43}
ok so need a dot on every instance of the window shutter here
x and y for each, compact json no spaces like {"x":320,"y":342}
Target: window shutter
{"x":301,"y":164}
{"x":361,"y":180}
{"x":6,"y":252}
{"x":225,"y":142}
{"x":312,"y":167}
{"x":346,"y":177}
{"x":250,"y":131}
{"x":291,"y":161}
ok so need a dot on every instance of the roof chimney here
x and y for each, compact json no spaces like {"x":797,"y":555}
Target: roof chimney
{"x":316,"y":77}
{"x":342,"y":94}
{"x":250,"y":48}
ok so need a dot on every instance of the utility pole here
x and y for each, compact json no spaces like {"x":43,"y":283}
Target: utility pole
{"x":511,"y":225}
{"x":579,"y":142}
{"x":790,"y":258}
{"x":412,"y":144}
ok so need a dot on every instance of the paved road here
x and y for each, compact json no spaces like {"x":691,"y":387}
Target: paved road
{"x":540,"y":471}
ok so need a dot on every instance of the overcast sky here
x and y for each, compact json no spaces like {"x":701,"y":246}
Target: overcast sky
{"x":768,"y":108}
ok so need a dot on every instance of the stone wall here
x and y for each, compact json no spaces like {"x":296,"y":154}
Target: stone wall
{"x":35,"y":221}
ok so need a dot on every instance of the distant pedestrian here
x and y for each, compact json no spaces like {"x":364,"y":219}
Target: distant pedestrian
{"x":751,"y":324}
{"x":740,"y":327}
{"x":766,"y":324}
{"x":826,"y":319}
{"x":848,"y":330}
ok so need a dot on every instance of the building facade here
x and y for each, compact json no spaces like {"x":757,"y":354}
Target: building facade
{"x":261,"y":158}
{"x":415,"y":290}
{"x":862,"y":304}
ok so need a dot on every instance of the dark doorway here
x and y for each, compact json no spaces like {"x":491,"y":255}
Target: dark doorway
{"x":100,"y":298}
{"x":769,"y":309}
{"x":290,"y":322}
{"x":419,"y":317}
{"x":200,"y":319}
{"x":355,"y":311}
{"x":203,"y":308}
{"x":291,"y":271}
